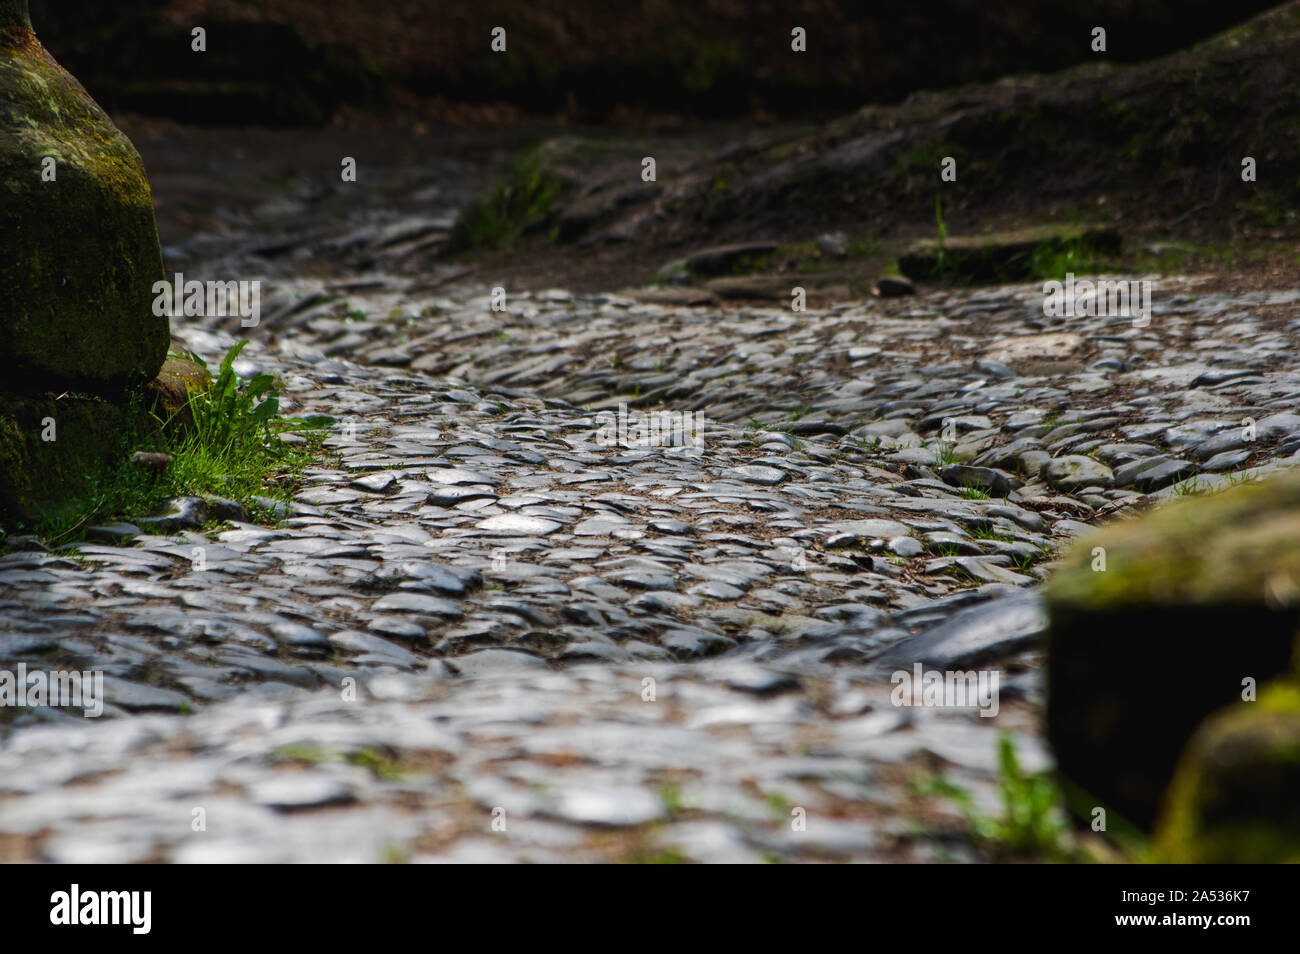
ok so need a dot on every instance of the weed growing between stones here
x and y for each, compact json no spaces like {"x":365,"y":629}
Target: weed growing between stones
{"x":226,"y":442}
{"x":521,"y":201}
{"x":1024,"y":563}
{"x":234,"y":445}
{"x":946,"y":452}
{"x":1033,"y":825}
{"x":1199,"y":485}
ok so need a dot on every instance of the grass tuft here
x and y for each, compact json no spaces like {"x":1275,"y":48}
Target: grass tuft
{"x":227,"y":442}
{"x":1033,"y":823}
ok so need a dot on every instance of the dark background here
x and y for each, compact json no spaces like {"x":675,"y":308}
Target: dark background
{"x":303,"y":62}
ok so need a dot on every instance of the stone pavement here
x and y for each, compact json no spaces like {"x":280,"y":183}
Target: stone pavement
{"x":494,"y":626}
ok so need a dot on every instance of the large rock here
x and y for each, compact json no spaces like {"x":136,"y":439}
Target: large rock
{"x":1194,"y":599}
{"x":1235,"y":798}
{"x":55,"y":448}
{"x":52,"y":449}
{"x":79,"y":255}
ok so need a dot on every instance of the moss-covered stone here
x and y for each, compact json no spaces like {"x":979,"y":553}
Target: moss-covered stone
{"x":1002,"y":256}
{"x":1235,"y":798}
{"x":1194,"y":598}
{"x":50,"y":448}
{"x":169,"y":392}
{"x":79,"y":255}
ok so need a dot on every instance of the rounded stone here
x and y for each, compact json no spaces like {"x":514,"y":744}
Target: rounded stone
{"x":79,"y":252}
{"x":1232,"y":800}
{"x":1155,"y":623}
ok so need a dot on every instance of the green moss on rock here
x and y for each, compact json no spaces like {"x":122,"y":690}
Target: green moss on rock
{"x":1003,"y":256}
{"x":40,"y":476}
{"x":1235,"y":798}
{"x":1195,"y":598}
{"x":78,"y":255}
{"x":1240,"y":547}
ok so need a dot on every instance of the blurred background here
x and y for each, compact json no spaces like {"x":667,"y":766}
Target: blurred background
{"x":535,"y":154}
{"x":307,"y":62}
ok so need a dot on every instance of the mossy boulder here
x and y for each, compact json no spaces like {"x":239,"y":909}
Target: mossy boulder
{"x":1194,"y":599}
{"x":50,"y":448}
{"x":79,"y":252}
{"x":1235,"y":798}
